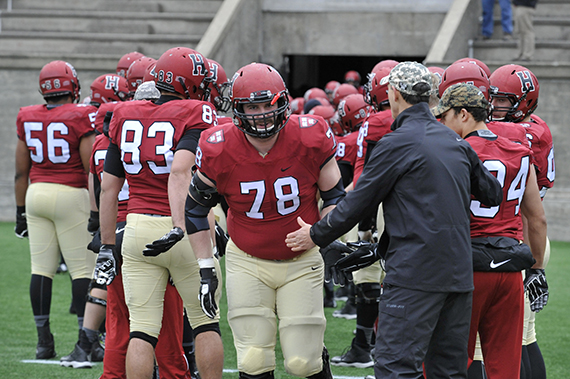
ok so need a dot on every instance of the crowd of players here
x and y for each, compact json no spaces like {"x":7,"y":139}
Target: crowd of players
{"x":169,"y":147}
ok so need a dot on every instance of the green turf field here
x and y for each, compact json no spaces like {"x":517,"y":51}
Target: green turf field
{"x":18,"y":335}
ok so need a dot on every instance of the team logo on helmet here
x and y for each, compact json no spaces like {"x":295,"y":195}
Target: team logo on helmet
{"x":527,"y":84}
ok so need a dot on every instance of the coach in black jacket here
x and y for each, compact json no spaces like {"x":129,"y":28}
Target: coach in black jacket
{"x":424,"y":174}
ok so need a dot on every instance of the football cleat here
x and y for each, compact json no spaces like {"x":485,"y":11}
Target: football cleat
{"x":355,"y":356}
{"x":97,"y":352}
{"x":342,"y":293}
{"x":46,"y":347}
{"x":348,"y":311}
{"x":77,"y":359}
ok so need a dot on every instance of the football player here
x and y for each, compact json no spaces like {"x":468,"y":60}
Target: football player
{"x":125,"y":62}
{"x":152,"y":147}
{"x":269,"y":166}
{"x":52,"y":161}
{"x":514,"y":95}
{"x":496,"y":232}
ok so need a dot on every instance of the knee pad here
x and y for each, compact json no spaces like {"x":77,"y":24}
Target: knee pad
{"x":367,"y":293}
{"x":145,"y":337}
{"x":257,"y":359}
{"x":96,"y":300}
{"x":265,"y":375}
{"x":298,"y":366}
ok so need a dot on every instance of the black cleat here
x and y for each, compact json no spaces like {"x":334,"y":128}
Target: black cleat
{"x":77,"y":359}
{"x":356,"y":356}
{"x":45,"y":348}
{"x":348,"y":311}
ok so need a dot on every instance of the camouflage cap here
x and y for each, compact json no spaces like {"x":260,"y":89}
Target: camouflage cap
{"x":460,"y":95}
{"x":147,"y":91}
{"x":405,"y":75}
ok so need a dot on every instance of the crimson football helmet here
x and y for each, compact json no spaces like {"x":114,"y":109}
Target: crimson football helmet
{"x":520,"y":86}
{"x":297,"y":105}
{"x":59,"y":78}
{"x":126,"y":61}
{"x":352,"y":77}
{"x":108,"y":88}
{"x":352,"y":111}
{"x":149,"y":73}
{"x":325,"y":111}
{"x":438,"y":71}
{"x":342,"y":91}
{"x":477,"y":62}
{"x":330,"y":87}
{"x":313,"y":93}
{"x":390,"y":63}
{"x":135,"y":73}
{"x":184,"y":71}
{"x":376,"y":94}
{"x":464,"y":73}
{"x":219,"y":85}
{"x":259,"y":83}
{"x":335,"y":125}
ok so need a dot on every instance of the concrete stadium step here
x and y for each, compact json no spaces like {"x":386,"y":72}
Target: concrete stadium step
{"x":544,"y":26}
{"x":107,"y":22}
{"x":553,"y":8}
{"x":178,"y":6}
{"x":498,"y":50}
{"x":95,"y":43}
{"x":81,"y":62}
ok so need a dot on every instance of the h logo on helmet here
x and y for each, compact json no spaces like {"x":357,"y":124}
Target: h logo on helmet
{"x":526,"y":81}
{"x":199,"y":65}
{"x":111,"y":82}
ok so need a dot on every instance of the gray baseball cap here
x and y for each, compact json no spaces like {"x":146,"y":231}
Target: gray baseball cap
{"x":147,"y":91}
{"x":405,"y":75}
{"x":460,"y":95}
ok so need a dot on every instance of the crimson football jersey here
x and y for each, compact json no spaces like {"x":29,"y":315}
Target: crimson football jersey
{"x":376,"y":126}
{"x":96,"y":166}
{"x":101,"y":113}
{"x":540,"y":139}
{"x":346,"y":148}
{"x":510,"y":162}
{"x":53,"y":136}
{"x":509,"y":130}
{"x":147,"y":135}
{"x":266,"y":194}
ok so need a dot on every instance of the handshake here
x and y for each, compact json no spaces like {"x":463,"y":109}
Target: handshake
{"x":342,"y":259}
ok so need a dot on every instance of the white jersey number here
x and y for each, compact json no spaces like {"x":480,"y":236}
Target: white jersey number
{"x":57,"y":148}
{"x":286,"y":192}
{"x":131,"y":139}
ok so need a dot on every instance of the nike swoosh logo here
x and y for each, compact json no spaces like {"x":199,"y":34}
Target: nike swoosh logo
{"x":285,"y":169}
{"x":119,"y":230}
{"x":495,"y":265}
{"x":457,"y":139}
{"x":314,"y":268}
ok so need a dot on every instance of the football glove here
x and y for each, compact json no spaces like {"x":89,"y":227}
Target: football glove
{"x":208,"y":286}
{"x":331,"y":254}
{"x":21,"y":228}
{"x":164,"y":243}
{"x":222,"y":239}
{"x":93,"y":223}
{"x":105,"y":268}
{"x":537,"y":288}
{"x":364,"y":254}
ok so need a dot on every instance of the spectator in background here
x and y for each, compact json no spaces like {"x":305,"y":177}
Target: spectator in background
{"x":524,"y":12}
{"x":506,"y":18}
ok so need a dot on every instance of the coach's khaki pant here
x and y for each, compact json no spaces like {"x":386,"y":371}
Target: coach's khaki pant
{"x":525,"y":29}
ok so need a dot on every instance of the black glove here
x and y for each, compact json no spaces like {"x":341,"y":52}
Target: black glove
{"x":364,"y":255}
{"x":105,"y":268}
{"x":208,"y":286}
{"x":21,"y":228}
{"x":537,"y":288}
{"x":164,"y":243}
{"x":331,"y":254}
{"x":222,"y":239}
{"x":93,"y":223}
{"x":95,"y":244}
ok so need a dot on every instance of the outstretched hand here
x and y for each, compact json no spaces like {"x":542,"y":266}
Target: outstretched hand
{"x":300,"y":240}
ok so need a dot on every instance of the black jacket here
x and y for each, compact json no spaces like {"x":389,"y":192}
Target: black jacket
{"x":423,"y":173}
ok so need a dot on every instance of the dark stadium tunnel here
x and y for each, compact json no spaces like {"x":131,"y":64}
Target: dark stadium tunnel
{"x":302,"y":72}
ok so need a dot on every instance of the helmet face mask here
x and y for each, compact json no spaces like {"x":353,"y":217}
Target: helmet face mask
{"x":375,"y":93}
{"x":218,"y":87}
{"x":517,"y":84}
{"x":259,"y":84}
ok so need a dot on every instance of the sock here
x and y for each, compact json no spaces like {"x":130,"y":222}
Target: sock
{"x":79,"y":289}
{"x":40,"y":295}
{"x":537,"y":366}
{"x":476,"y":370}
{"x":366,"y":314}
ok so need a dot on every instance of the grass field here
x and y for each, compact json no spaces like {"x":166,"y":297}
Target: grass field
{"x":18,"y":335}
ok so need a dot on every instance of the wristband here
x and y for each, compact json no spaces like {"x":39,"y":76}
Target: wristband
{"x":206,"y":262}
{"x":20,"y":209}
